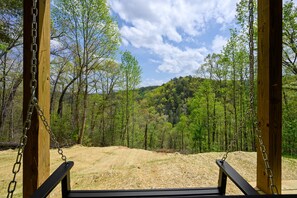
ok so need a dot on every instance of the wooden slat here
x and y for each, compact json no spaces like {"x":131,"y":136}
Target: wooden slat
{"x":36,"y":155}
{"x":269,"y":89}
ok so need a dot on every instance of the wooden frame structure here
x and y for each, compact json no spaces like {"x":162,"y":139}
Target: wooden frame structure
{"x":269,"y":90}
{"x":36,"y":155}
{"x":36,"y":164}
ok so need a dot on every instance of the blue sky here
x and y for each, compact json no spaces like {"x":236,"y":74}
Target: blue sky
{"x":170,"y":38}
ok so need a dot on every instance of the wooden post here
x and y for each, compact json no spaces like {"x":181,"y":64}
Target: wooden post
{"x":269,"y":90}
{"x":36,"y":155}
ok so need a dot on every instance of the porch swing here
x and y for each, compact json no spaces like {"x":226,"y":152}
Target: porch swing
{"x":62,"y":173}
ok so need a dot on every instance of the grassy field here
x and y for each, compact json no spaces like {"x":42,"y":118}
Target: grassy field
{"x":124,"y":168}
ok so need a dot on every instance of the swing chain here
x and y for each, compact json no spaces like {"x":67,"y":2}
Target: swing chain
{"x":251,"y":46}
{"x":49,"y":130}
{"x":232,"y":143}
{"x":33,"y":102}
{"x":262,"y":147}
{"x":268,"y":169}
{"x":33,"y":84}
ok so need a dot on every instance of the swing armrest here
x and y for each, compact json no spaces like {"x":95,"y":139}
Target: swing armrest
{"x":237,"y":179}
{"x":60,"y":174}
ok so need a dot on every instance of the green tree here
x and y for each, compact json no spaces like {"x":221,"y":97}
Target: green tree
{"x":11,"y":32}
{"x":92,"y":36}
{"x":131,"y":74}
{"x":290,"y":38}
{"x":289,"y":78}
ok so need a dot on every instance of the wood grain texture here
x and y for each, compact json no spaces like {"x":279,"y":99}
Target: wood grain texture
{"x":36,"y":155}
{"x":269,"y":89}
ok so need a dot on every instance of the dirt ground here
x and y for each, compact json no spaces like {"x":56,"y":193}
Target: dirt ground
{"x":123,"y":168}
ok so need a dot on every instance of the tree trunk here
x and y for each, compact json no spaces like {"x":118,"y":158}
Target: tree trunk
{"x":182,"y":139}
{"x":225,"y":123}
{"x":54,"y":92}
{"x":84,"y":116}
{"x":252,"y":73}
{"x":103,"y":125}
{"x":77,"y":107}
{"x":133,"y":119}
{"x":127,"y":111}
{"x":214,"y":124}
{"x":2,"y":110}
{"x":234,"y":100}
{"x":208,"y":122}
{"x":7,"y":103}
{"x":145,"y":137}
{"x":60,"y":106}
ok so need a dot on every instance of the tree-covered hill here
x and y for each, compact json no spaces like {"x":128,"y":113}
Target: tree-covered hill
{"x":171,"y":98}
{"x":95,"y":99}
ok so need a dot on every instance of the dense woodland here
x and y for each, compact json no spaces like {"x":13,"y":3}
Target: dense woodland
{"x":96,"y":100}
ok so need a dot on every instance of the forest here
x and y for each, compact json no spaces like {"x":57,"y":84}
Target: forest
{"x":96,"y":100}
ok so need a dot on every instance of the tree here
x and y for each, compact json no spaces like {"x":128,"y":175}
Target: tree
{"x":11,"y":31}
{"x":11,"y":13}
{"x":289,"y":78}
{"x":131,"y":73}
{"x":210,"y":70}
{"x":105,"y":81}
{"x":183,"y":130}
{"x":92,"y":36}
{"x":290,"y":38}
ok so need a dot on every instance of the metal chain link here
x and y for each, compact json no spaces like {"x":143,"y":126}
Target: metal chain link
{"x":265,"y":158}
{"x":251,"y":112}
{"x":33,"y":102}
{"x":33,"y":84}
{"x":262,"y":147}
{"x":49,"y":130}
{"x":234,"y":140}
{"x":251,"y":57}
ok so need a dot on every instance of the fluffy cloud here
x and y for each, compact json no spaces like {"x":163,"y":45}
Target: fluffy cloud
{"x":218,"y":43}
{"x":161,"y":26}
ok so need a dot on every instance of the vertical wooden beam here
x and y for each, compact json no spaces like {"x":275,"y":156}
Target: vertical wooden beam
{"x":269,"y":89}
{"x":36,"y":155}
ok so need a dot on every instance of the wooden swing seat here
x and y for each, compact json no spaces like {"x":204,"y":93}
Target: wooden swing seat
{"x":62,"y":174}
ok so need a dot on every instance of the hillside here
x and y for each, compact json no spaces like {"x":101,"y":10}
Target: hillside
{"x":124,"y":168}
{"x":171,"y":98}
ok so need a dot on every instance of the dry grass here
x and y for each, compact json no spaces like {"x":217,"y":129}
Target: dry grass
{"x":123,"y":168}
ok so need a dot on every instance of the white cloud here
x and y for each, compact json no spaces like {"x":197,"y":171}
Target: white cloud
{"x":152,"y":82}
{"x":180,"y":61}
{"x":162,"y":25}
{"x":218,"y":43}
